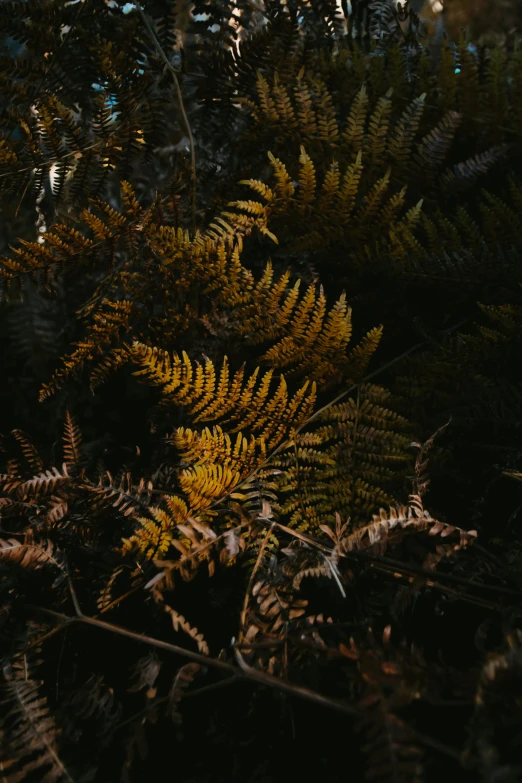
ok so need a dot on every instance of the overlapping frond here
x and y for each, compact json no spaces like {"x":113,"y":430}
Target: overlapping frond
{"x":344,"y":210}
{"x":346,"y":462}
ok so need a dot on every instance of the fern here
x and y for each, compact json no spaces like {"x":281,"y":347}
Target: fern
{"x":342,"y":463}
{"x":194,"y":201}
{"x":30,"y":735}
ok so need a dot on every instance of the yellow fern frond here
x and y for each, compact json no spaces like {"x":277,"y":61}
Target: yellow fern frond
{"x":154,"y":537}
{"x":284,"y":186}
{"x":208,"y":483}
{"x":378,"y":128}
{"x":265,"y":98}
{"x":305,"y":109}
{"x":307,"y":180}
{"x":353,"y":133}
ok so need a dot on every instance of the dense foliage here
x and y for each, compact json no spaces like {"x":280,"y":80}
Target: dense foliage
{"x":261,"y":321}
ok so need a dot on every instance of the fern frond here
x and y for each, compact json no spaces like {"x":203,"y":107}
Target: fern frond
{"x":44,"y":483}
{"x":432,"y":150}
{"x":30,"y":734}
{"x":237,"y":401}
{"x":353,"y":133}
{"x":154,"y":536}
{"x":180,"y":623}
{"x":344,"y":462}
{"x":29,"y":451}
{"x":182,"y":681}
{"x":72,"y":441}
{"x":30,"y":555}
{"x":105,"y":596}
{"x":376,"y":139}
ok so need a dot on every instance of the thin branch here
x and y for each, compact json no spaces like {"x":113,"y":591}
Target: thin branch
{"x":434,"y":576}
{"x":52,"y":161}
{"x":74,"y":596}
{"x":67,"y":620}
{"x":37,"y":642}
{"x":296,"y":690}
{"x":395,"y":565}
{"x":186,"y":122}
{"x":241,"y":671}
{"x":80,"y":150}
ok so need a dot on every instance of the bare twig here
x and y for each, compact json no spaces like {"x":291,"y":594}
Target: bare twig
{"x":74,"y":596}
{"x":296,"y":690}
{"x":242,"y":671}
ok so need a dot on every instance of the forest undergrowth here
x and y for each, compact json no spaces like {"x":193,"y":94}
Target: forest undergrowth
{"x":261,"y":463}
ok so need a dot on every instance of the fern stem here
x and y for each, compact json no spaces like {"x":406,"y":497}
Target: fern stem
{"x":252,"y":575}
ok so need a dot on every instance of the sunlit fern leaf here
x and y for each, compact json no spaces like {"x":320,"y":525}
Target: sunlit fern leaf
{"x":240,"y":402}
{"x":342,"y":213}
{"x":327,"y":121}
{"x":109,"y":320}
{"x":154,"y":535}
{"x":305,"y":107}
{"x":113,"y":360}
{"x":307,"y":183}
